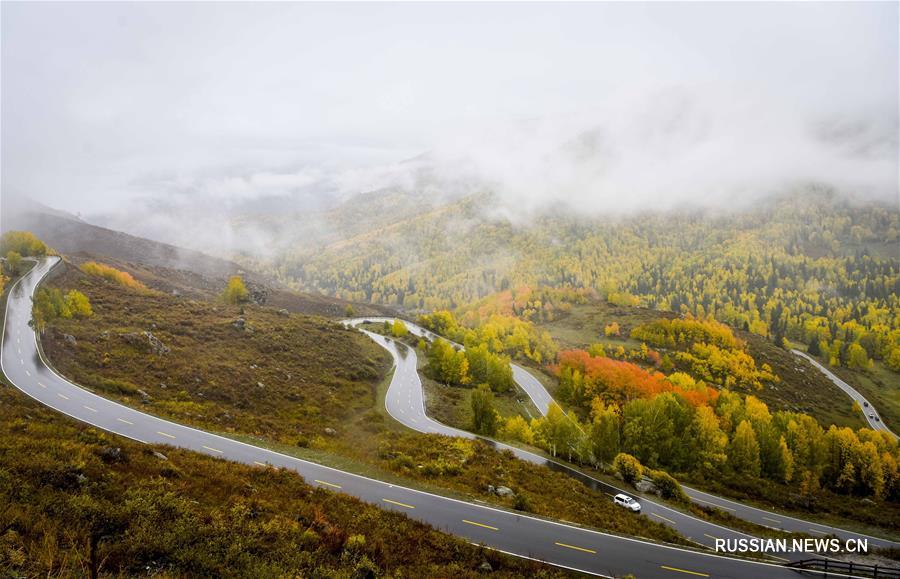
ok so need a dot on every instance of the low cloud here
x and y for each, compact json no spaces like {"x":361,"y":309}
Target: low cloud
{"x":242,"y":126}
{"x":677,"y":149}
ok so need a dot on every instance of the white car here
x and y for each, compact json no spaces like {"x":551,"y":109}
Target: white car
{"x":629,"y":503}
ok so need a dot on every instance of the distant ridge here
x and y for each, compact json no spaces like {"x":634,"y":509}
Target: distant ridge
{"x":168,"y":267}
{"x":69,"y":234}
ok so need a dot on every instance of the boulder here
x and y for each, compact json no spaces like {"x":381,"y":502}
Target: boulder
{"x":156,"y":344}
{"x":504,"y":491}
{"x":239,"y":323}
{"x":283,"y":312}
{"x":147,"y":341}
{"x":70,"y":339}
{"x":486,"y":567}
{"x":330,"y":431}
{"x":110,"y":454}
{"x":160,"y":456}
{"x":646,"y":486}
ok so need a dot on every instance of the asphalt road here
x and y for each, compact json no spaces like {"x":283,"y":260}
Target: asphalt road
{"x":556,"y":543}
{"x":405,"y":403}
{"x":525,"y":380}
{"x":868,"y":407}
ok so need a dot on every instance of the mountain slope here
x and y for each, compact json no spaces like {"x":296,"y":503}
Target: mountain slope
{"x":815,"y":266}
{"x":169,"y":268}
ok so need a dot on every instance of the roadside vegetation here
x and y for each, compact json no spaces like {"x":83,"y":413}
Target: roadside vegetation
{"x":498,"y":334}
{"x":679,"y":395}
{"x":79,"y":502}
{"x":472,"y":467}
{"x":52,"y":304}
{"x":15,"y":245}
{"x":295,"y":382}
{"x":24,"y":243}
{"x":880,"y":386}
{"x":481,"y":396}
{"x":691,"y":423}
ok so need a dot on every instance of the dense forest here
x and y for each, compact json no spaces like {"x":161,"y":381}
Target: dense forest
{"x":639,"y":411}
{"x":672,"y":395}
{"x":812,"y":268}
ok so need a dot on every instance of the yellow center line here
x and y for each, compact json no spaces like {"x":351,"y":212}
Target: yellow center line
{"x":711,"y":537}
{"x":89,"y":408}
{"x":567,"y":546}
{"x":663,"y":518}
{"x":63,"y":396}
{"x":164,"y":434}
{"x":468,"y":522}
{"x":328,"y":484}
{"x":773,"y":520}
{"x":29,"y":373}
{"x":41,"y":385}
{"x":398,"y":504}
{"x":125,"y":421}
{"x":820,"y":532}
{"x":677,"y":570}
{"x":210,"y":448}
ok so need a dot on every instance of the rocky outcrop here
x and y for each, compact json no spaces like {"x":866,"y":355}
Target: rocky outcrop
{"x":147,"y":341}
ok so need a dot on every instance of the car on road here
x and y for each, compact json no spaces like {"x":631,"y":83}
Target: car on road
{"x":872,"y":415}
{"x":627,"y":502}
{"x":865,"y":403}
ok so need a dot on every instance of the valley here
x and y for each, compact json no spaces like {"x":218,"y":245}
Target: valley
{"x":453,"y":290}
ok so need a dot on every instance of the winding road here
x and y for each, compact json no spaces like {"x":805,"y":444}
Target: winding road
{"x":852,"y":392}
{"x":553,"y":542}
{"x":405,"y":403}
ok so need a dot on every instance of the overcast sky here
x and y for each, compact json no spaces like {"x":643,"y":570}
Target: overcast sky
{"x":104,"y":104}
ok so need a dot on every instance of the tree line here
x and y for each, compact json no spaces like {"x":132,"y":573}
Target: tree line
{"x":680,"y":425}
{"x":809,"y":268}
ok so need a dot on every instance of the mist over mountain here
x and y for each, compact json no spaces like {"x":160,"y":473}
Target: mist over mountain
{"x":238,"y":129}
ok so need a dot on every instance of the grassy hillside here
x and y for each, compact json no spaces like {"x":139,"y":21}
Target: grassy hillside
{"x":880,"y":386}
{"x":78,"y":502}
{"x":235,"y":369}
{"x":300,"y":384}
